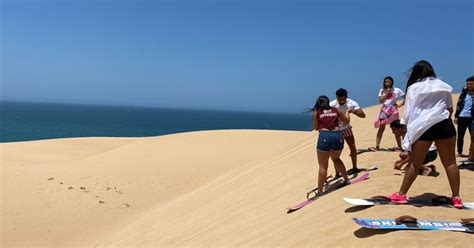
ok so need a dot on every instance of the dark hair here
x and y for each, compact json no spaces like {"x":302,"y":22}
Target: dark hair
{"x":471,"y":78}
{"x":421,"y":70}
{"x":321,"y":104}
{"x":341,"y":92}
{"x":389,"y":78}
{"x":396,"y":124}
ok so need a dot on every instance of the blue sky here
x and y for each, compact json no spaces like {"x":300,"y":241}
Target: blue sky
{"x":276,"y":56}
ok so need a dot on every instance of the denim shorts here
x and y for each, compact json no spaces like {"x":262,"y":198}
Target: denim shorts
{"x":330,"y":141}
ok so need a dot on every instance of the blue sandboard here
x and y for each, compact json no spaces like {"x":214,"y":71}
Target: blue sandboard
{"x":419,"y":225}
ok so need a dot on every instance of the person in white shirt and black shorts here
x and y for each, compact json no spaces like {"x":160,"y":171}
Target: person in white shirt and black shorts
{"x":427,"y":114}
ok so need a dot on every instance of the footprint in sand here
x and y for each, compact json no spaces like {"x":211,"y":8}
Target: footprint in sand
{"x":84,"y":189}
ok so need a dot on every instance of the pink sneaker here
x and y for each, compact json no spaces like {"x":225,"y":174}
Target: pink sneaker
{"x":457,"y":202}
{"x":397,"y":198}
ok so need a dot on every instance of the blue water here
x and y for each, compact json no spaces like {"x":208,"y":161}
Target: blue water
{"x":22,"y":121}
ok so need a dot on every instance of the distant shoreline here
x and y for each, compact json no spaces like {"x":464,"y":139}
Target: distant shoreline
{"x":25,"y":121}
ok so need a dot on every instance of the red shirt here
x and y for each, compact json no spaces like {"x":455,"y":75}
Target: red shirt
{"x":328,"y":119}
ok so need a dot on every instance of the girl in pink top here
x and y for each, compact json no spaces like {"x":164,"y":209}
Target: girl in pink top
{"x":388,"y":96}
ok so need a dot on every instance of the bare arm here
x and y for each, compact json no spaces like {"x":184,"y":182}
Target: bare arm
{"x":401,"y":103}
{"x":359,"y":112}
{"x":315,"y":121}
{"x":399,"y":141}
{"x":449,"y":102}
{"x":404,"y":159}
{"x":383,"y":97}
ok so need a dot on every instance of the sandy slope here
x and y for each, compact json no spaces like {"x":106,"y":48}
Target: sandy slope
{"x":202,"y":189}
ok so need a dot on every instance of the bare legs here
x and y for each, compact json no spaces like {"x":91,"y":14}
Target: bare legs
{"x":446,"y":149}
{"x":379,"y":135}
{"x":351,"y":143}
{"x":417,"y":155}
{"x":323,"y":160}
{"x":399,"y":141}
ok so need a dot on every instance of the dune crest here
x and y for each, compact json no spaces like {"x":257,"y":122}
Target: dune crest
{"x":200,"y":189}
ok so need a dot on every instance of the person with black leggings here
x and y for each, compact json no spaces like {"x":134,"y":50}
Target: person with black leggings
{"x":463,"y":114}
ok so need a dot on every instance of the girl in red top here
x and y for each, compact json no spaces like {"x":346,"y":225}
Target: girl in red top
{"x":330,"y":140}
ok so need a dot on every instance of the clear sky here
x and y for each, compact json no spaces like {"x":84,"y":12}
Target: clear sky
{"x":276,"y":56}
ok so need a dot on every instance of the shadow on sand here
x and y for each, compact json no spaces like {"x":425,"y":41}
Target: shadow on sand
{"x":354,"y":209}
{"x":367,"y":233}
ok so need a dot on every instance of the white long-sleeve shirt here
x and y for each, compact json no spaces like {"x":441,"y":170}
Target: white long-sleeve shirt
{"x":426,"y":104}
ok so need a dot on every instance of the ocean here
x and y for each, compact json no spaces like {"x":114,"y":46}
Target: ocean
{"x":25,"y":121}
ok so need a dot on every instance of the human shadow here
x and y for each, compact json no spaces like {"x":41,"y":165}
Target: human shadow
{"x":330,"y":184}
{"x":433,"y":172}
{"x":367,"y":232}
{"x":424,"y":197}
{"x":354,"y":209}
{"x":374,"y":149}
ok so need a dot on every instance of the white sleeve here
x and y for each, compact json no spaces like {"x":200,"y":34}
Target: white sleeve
{"x":406,"y":144}
{"x":332,"y":104}
{"x":380,"y":92}
{"x":400,"y":92}
{"x":354,"y":105}
{"x":408,"y":109}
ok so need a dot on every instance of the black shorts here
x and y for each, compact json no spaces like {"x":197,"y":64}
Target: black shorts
{"x":441,"y":130}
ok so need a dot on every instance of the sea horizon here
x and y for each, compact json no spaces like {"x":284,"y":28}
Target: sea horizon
{"x":27,"y":120}
{"x":303,"y":110}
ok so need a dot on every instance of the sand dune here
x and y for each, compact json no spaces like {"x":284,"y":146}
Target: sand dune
{"x":201,"y":189}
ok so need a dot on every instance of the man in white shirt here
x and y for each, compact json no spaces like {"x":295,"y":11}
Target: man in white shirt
{"x":344,"y":104}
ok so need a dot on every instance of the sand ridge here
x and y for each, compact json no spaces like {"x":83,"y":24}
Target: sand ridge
{"x":227,"y":188}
